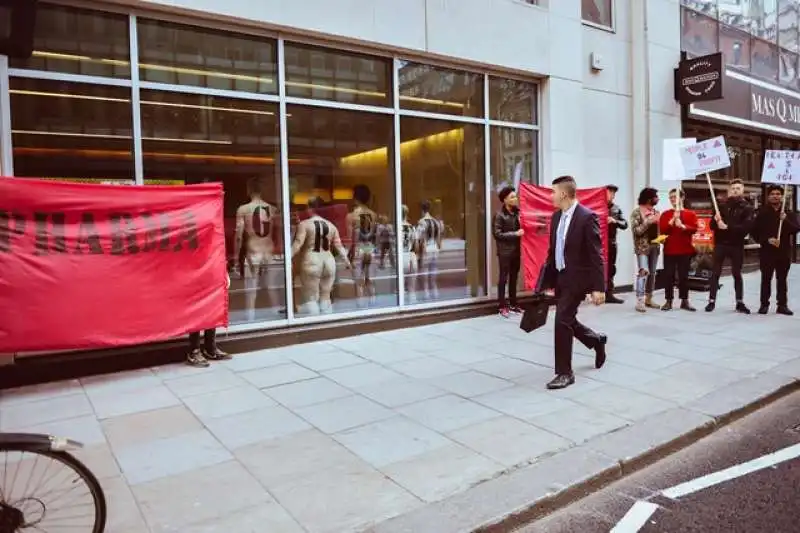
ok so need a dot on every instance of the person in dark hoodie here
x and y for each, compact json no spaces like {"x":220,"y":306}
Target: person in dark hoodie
{"x":616,"y":221}
{"x":775,"y":255}
{"x":731,"y":226}
{"x":507,"y":234}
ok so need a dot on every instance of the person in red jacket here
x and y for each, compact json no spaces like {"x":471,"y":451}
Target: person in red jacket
{"x":678,"y":225}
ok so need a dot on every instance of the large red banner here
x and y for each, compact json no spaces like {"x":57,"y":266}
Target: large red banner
{"x":92,"y":266}
{"x":536,"y":211}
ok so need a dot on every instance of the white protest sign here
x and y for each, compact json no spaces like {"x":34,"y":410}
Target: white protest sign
{"x":706,"y":156}
{"x":781,"y":167}
{"x":671,"y":162}
{"x":517,"y":175}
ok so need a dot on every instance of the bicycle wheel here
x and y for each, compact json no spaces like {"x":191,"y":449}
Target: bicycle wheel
{"x":44,"y":491}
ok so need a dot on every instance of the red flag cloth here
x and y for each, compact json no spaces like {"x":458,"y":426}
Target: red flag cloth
{"x":536,"y":211}
{"x":92,"y":266}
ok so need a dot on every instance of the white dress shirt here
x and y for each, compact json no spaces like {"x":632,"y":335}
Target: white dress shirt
{"x":566,"y":218}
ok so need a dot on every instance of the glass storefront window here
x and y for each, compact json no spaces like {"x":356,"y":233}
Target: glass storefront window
{"x":512,"y":100}
{"x":342,"y":170}
{"x":187,"y":55}
{"x":439,"y":90}
{"x":764,"y":17}
{"x":77,"y":41}
{"x":190,"y":139}
{"x":598,"y":12}
{"x":512,"y":161}
{"x":321,"y":74}
{"x":735,"y":45}
{"x":787,"y":24}
{"x":443,"y":190}
{"x":788,"y":68}
{"x":764,"y":59}
{"x":71,"y":131}
{"x":699,"y":33}
{"x":707,"y":7}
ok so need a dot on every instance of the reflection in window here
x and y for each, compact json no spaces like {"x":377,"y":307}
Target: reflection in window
{"x":598,"y":12}
{"x":77,"y":41}
{"x":735,"y":45}
{"x":512,"y":161}
{"x":512,"y":100}
{"x":699,"y":33}
{"x":71,"y":131}
{"x":197,"y":139}
{"x":438,"y":90}
{"x":344,"y":175}
{"x":788,"y":68}
{"x":707,"y":7}
{"x":443,"y":191}
{"x":788,"y":11}
{"x":764,"y":59}
{"x":313,"y":72}
{"x":764,"y":19}
{"x":186,"y":55}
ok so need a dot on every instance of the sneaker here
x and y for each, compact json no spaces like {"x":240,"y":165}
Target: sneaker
{"x":504,"y":312}
{"x":763,"y":310}
{"x":710,"y":307}
{"x":217,"y":355}
{"x":667,"y":306}
{"x":783,"y":310}
{"x":651,"y":304}
{"x":640,"y":306}
{"x":741,"y":308}
{"x":195,"y":358}
{"x":515,"y":309}
{"x":686,"y":306}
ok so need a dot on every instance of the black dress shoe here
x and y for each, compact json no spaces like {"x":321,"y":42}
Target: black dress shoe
{"x":611,"y":299}
{"x":741,"y":308}
{"x":763,"y":310}
{"x":600,"y":352}
{"x":562,"y":381}
{"x":783,"y":310}
{"x":710,"y":307}
{"x":686,"y":306}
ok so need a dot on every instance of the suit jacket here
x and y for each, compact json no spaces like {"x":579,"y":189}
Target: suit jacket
{"x":583,"y":254}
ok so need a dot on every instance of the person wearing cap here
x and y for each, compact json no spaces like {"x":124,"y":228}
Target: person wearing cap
{"x":507,"y":234}
{"x":616,"y":221}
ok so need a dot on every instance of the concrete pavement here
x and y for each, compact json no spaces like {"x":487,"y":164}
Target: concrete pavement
{"x":439,"y":428}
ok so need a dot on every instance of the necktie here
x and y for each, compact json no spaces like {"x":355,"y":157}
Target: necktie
{"x":560,"y":241}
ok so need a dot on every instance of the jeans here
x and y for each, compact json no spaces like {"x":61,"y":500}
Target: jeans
{"x":736,"y":254}
{"x":509,"y":271}
{"x":677,"y":264}
{"x":209,"y":340}
{"x":646,"y":276}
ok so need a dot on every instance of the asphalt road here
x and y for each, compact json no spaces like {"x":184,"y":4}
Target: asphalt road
{"x":765,"y":500}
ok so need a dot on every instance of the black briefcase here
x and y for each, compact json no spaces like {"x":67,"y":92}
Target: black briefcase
{"x":535,"y":315}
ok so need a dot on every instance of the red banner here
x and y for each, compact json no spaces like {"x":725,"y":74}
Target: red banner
{"x":92,"y":266}
{"x":536,"y":211}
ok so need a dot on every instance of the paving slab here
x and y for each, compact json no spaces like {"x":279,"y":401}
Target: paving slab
{"x":442,"y":428}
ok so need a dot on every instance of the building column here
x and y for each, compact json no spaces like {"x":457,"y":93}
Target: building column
{"x":640,"y":92}
{"x":6,"y":163}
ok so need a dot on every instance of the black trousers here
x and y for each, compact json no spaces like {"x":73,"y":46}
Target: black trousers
{"x":209,"y":340}
{"x":567,"y":326}
{"x":612,"y":266}
{"x":723,"y":252}
{"x":677,"y":264}
{"x":509,"y":272}
{"x":775,"y":263}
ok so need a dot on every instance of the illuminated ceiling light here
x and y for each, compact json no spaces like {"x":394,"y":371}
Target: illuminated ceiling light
{"x":69,"y":95}
{"x":73,"y":57}
{"x":206,"y":107}
{"x":335,"y":88}
{"x":209,"y":73}
{"x":456,"y":133}
{"x":124,"y":137}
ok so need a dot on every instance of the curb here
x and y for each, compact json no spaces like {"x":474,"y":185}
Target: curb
{"x":549,"y":504}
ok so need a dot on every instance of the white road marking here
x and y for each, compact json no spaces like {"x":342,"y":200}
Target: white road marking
{"x":766,"y":461}
{"x":636,"y":517}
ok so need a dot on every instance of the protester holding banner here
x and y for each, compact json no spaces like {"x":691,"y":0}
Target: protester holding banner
{"x":644,"y":226}
{"x":616,"y":221}
{"x":731,"y":224}
{"x":210,"y":352}
{"x":507,"y":234}
{"x":679,"y":225}
{"x":574,"y":267}
{"x":775,"y":253}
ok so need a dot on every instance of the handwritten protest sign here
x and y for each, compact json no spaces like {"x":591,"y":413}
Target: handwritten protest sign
{"x":705,"y":156}
{"x":671,"y":162}
{"x":781,"y":167}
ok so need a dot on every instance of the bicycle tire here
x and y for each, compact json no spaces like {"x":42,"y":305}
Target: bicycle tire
{"x":78,"y":467}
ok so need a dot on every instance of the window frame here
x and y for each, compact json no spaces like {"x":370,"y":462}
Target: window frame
{"x":612,"y":28}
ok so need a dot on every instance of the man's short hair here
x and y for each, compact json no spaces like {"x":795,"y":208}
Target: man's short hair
{"x":678,"y":191}
{"x":315,"y":202}
{"x":425,"y":206}
{"x":611,"y":187}
{"x":736,"y":181}
{"x":362,"y":194}
{"x":504,"y":192}
{"x":774,"y":187}
{"x":568,"y":184}
{"x":647,"y":194}
{"x":254,"y":185}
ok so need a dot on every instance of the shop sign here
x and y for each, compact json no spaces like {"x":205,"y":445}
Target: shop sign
{"x":699,"y":79}
{"x":781,"y":167}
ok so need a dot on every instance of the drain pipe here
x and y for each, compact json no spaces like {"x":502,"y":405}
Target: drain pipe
{"x":640,"y":97}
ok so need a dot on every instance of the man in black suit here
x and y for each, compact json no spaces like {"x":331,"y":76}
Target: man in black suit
{"x":574,"y":268}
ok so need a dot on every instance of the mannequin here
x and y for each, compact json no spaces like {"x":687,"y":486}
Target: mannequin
{"x":411,"y":261}
{"x":312,"y":251}
{"x":429,"y":232}
{"x":362,"y":230}
{"x":256,"y":219}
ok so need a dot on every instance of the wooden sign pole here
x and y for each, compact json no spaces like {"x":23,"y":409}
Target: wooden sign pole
{"x":783,"y":210}
{"x":713,"y":195}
